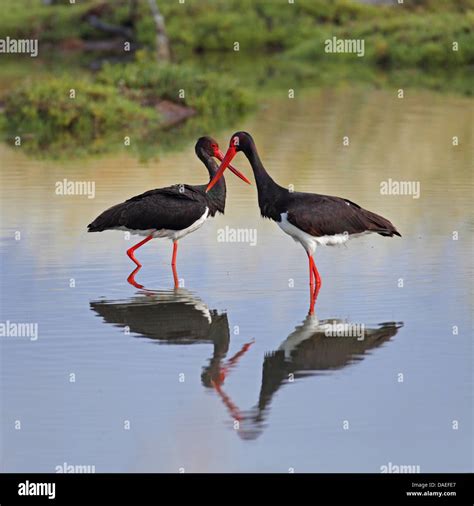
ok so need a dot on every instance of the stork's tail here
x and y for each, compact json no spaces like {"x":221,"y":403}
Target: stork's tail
{"x":380,"y":225}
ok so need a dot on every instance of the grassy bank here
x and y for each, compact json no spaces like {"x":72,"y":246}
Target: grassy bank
{"x":208,"y":93}
{"x":48,"y":118}
{"x":281,"y":45}
{"x":398,"y":35}
{"x":429,"y":41}
{"x":415,"y":32}
{"x":142,"y":100}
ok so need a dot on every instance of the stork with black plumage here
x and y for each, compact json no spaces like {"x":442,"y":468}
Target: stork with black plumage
{"x":172,"y":212}
{"x":309,"y":218}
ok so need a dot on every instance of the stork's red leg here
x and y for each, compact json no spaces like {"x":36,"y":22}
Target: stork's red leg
{"x":311,"y":284}
{"x":175,"y":252}
{"x":131,"y":278}
{"x":314,"y":283}
{"x":311,"y":273}
{"x":173,"y":264}
{"x":131,"y":251}
{"x":175,"y":277}
{"x":316,"y":274}
{"x":318,"y":284}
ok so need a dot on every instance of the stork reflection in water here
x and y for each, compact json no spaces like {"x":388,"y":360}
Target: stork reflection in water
{"x":314,"y":347}
{"x":178,"y":317}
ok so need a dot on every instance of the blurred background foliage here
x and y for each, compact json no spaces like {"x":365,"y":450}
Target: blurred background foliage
{"x":281,"y":45}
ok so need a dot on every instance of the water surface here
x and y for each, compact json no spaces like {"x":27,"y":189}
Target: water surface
{"x":162,"y":376}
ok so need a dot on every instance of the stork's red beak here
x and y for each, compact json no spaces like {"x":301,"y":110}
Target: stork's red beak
{"x":225,"y":162}
{"x":233,"y":169}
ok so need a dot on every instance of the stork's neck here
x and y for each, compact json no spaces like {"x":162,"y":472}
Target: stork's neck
{"x":217,"y":195}
{"x":269,"y":192}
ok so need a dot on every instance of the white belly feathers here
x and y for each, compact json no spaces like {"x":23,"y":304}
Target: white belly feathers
{"x":174,"y":235}
{"x":309,"y":242}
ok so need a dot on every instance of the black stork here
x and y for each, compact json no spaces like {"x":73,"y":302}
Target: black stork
{"x":311,"y":349}
{"x":309,"y":218}
{"x":171,"y":212}
{"x":179,"y":317}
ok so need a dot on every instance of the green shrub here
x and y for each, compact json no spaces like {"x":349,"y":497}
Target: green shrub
{"x":209,"y":93}
{"x":122,"y":102}
{"x":46,"y":114}
{"x":400,"y":41}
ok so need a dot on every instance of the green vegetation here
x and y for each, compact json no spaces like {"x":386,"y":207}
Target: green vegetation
{"x":418,"y":31}
{"x":208,"y":93}
{"x":389,"y":31}
{"x":122,"y":99}
{"x":402,"y":41}
{"x":43,"y":111}
{"x":31,"y":18}
{"x":281,"y":45}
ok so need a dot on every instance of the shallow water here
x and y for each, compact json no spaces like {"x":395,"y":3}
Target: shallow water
{"x":162,"y":376}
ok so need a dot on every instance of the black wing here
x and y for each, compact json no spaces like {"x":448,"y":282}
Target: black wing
{"x":320,"y":215}
{"x":180,"y":191}
{"x":174,"y":208}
